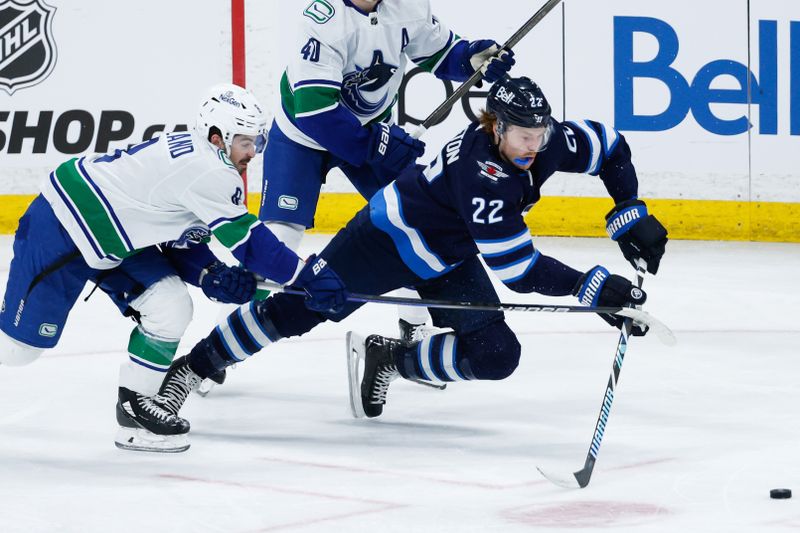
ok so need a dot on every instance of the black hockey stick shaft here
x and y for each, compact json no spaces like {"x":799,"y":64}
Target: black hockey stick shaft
{"x":583,"y":475}
{"x":445,"y":106}
{"x":663,"y":333}
{"x":453,"y":304}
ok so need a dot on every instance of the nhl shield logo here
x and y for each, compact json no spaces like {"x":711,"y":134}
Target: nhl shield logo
{"x":27,"y":49}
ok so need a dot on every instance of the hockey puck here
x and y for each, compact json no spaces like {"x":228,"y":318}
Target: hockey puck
{"x":780,"y":494}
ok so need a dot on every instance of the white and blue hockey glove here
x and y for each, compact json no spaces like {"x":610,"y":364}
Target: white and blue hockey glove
{"x":638,"y":234}
{"x":227,"y":284}
{"x":599,"y":288}
{"x":325,"y":291}
{"x":478,"y":52}
{"x":392,"y":149}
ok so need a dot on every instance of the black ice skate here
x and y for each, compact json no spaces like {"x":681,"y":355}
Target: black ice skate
{"x":178,"y":383}
{"x":145,"y":425}
{"x":368,"y":396}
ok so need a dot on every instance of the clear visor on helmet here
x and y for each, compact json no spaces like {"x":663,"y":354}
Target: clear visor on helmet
{"x":261,"y":142}
{"x":528,"y":140}
{"x":247,"y":142}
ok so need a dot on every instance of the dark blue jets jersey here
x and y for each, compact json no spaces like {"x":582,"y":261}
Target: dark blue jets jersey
{"x":470,"y":200}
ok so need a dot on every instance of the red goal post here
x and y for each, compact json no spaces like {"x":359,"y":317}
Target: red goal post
{"x":239,"y":70}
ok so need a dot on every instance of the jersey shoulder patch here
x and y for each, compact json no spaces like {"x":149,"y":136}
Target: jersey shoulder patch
{"x":320,"y":11}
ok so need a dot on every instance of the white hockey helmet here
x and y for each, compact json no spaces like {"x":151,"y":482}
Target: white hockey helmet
{"x":233,"y":111}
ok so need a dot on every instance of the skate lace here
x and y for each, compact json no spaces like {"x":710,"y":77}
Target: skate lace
{"x":419,"y":332}
{"x":177,"y":389}
{"x":383,"y":377}
{"x":151,"y":406}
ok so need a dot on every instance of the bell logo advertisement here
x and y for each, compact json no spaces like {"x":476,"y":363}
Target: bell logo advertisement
{"x":696,"y":92}
{"x":27,"y":49}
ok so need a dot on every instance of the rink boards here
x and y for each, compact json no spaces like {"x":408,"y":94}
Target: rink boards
{"x":713,"y":122}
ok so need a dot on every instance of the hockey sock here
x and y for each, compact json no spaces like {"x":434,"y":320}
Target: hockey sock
{"x":489,"y":353}
{"x":436,"y":359}
{"x":245,"y":332}
{"x":149,"y":360}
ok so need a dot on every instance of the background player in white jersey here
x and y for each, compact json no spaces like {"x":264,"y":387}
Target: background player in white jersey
{"x":337,"y":96}
{"x":100,"y":218}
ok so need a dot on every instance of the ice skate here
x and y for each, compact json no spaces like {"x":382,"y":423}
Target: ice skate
{"x":368,"y":389}
{"x":145,"y":425}
{"x":178,"y":383}
{"x":411,"y":333}
{"x":210,"y":382}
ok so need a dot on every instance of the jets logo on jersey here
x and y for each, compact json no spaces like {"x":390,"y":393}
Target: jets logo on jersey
{"x":491,"y":170}
{"x":366,"y":80}
{"x":320,"y":11}
{"x":27,"y":49}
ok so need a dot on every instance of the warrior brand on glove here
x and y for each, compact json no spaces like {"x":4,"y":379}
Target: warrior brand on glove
{"x":639,"y":235}
{"x":325,"y":292}
{"x":228,"y":285}
{"x":599,"y":288}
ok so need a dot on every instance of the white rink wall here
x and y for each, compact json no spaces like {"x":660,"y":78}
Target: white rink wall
{"x":671,"y":75}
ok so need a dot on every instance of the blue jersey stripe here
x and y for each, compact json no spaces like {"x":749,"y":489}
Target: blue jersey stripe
{"x":386,"y":213}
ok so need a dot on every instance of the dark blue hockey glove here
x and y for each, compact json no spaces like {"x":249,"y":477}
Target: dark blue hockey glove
{"x":325,"y":292}
{"x":478,"y":52}
{"x":638,"y":234}
{"x":226,"y":284}
{"x":392,"y":149}
{"x":599,"y":288}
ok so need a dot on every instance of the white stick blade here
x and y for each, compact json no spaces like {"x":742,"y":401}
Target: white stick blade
{"x":664,"y":334}
{"x":565,"y":482}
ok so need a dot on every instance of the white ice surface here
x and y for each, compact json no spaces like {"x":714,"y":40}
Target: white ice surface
{"x":697,"y":436}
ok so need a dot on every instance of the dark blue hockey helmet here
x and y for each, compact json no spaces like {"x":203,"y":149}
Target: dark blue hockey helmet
{"x":519,"y":102}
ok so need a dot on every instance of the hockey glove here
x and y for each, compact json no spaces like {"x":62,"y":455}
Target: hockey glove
{"x":598,"y":288}
{"x":226,"y":284}
{"x":325,"y":291}
{"x":477,"y":54}
{"x":638,"y":234}
{"x":392,"y":149}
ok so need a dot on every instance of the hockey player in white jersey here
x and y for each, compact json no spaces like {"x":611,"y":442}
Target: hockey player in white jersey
{"x":337,"y":94}
{"x":101,"y":218}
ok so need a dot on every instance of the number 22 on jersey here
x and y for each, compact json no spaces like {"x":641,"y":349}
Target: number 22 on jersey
{"x":480,"y":206}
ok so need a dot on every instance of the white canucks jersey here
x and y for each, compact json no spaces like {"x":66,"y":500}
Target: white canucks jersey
{"x":346,"y":57}
{"x":177,"y":187}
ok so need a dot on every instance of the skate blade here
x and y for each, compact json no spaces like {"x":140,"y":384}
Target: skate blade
{"x":141,"y":440}
{"x":205,"y":387}
{"x":355,"y":354}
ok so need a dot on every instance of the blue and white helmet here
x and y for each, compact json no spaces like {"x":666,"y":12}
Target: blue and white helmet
{"x":233,"y":111}
{"x":519,"y":102}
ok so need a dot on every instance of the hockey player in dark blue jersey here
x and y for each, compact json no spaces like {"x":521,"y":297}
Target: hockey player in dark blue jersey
{"x":426,"y":230}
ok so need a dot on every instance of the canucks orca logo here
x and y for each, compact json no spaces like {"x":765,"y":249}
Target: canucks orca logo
{"x":192,"y":235}
{"x":367,"y":80}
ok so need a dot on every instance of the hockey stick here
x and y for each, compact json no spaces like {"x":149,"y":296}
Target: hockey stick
{"x":445,"y":106}
{"x":579,"y":479}
{"x":659,"y":328}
